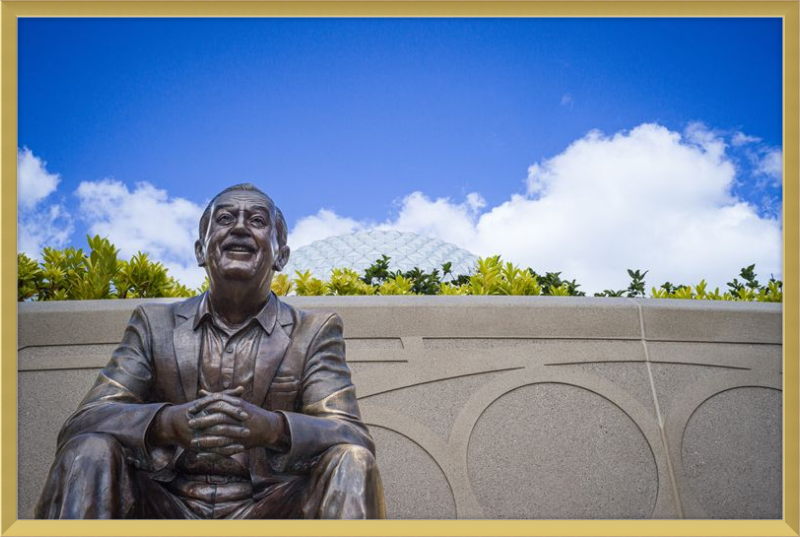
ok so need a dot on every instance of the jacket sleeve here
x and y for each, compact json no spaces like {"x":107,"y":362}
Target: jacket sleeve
{"x":329,"y":412}
{"x":118,"y":403}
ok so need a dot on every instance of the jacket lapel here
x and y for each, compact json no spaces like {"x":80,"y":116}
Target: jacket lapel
{"x":271,"y":352}
{"x":270,"y":355}
{"x":186,"y":341}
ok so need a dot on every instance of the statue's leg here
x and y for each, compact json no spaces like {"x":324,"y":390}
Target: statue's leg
{"x":89,"y":479}
{"x":345,"y":484}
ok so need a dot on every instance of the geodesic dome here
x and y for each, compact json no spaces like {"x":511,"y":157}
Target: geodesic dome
{"x":360,"y":250}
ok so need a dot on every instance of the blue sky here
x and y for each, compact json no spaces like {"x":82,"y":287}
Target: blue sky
{"x":456,"y":128}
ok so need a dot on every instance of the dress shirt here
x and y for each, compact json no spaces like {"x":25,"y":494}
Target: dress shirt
{"x":227,"y":361}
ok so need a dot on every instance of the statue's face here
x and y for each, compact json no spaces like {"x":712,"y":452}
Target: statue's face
{"x":239,"y":243}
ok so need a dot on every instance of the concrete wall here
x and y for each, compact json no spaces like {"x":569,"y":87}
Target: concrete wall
{"x":507,"y":407}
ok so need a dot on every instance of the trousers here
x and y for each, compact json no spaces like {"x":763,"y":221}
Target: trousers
{"x":90,"y":479}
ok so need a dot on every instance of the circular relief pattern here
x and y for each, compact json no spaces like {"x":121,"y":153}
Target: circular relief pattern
{"x":559,"y":451}
{"x":731,"y":453}
{"x":413,"y":484}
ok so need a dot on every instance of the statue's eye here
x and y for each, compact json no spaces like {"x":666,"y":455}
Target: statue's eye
{"x":259,"y":221}
{"x":224,"y":218}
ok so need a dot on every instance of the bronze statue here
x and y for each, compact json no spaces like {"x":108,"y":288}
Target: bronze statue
{"x":229,"y":405}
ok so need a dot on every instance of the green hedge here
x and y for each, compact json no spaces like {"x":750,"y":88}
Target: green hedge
{"x":71,"y":274}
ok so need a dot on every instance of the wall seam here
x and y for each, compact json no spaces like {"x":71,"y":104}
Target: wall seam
{"x":662,"y":432}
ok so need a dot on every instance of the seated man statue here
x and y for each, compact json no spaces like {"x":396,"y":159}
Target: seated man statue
{"x":229,"y":405}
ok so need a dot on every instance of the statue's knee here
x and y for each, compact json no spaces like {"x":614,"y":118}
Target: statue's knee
{"x":352,"y":455}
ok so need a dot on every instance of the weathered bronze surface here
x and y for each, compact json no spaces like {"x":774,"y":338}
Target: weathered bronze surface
{"x":228,"y":405}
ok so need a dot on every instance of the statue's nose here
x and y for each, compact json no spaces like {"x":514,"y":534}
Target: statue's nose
{"x":240,"y":228}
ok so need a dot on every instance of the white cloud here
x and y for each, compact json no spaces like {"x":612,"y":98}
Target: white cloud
{"x":440,"y":218}
{"x":319,"y":226}
{"x":709,"y":141}
{"x":145,"y":219}
{"x":770,"y":164}
{"x":566,"y":100}
{"x":740,"y":139}
{"x":42,"y":226}
{"x":38,"y":224}
{"x":645,"y":199}
{"x":34,"y":182}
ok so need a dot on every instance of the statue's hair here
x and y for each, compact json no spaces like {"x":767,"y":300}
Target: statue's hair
{"x":275,"y":214}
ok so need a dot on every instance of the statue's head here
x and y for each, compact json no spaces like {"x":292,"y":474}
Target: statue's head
{"x":242,"y":237}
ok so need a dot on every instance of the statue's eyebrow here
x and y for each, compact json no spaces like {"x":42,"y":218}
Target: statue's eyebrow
{"x":261,"y":208}
{"x":256,"y":206}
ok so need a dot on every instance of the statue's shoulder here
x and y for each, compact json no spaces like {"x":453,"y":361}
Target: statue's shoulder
{"x":164,"y":313}
{"x":302,"y":321}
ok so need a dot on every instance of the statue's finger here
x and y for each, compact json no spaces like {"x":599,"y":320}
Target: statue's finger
{"x":236,"y":392}
{"x":232,"y":410}
{"x":204,"y":422}
{"x":204,"y":401}
{"x":232,"y":431}
{"x":229,"y":450}
{"x":210,"y":442}
{"x":202,"y":404}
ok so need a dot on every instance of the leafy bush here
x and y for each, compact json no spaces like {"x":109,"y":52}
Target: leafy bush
{"x":29,"y":277}
{"x":142,"y":278}
{"x":553,"y":285}
{"x":398,"y":285}
{"x":70,"y":274}
{"x":281,"y":284}
{"x":636,"y":287}
{"x":307,"y":285}
{"x":346,"y":281}
{"x":748,"y":291}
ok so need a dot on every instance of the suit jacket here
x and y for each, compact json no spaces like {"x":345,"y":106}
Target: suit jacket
{"x":300,"y":371}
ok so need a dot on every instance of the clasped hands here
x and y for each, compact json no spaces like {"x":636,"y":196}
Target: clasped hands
{"x":220,"y":423}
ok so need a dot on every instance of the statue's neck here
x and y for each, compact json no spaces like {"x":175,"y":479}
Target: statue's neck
{"x":235,"y":305}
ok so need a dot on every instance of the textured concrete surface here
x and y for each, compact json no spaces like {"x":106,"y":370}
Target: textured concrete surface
{"x":64,"y":357}
{"x":524,"y":407}
{"x":629,"y":377}
{"x":671,"y":381}
{"x":732,"y":454}
{"x":379,"y":317}
{"x":728,"y":355}
{"x":437,"y":408}
{"x":413,"y":483}
{"x":556,"y":451}
{"x":46,"y":399}
{"x":545,"y":351}
{"x":712,"y":320}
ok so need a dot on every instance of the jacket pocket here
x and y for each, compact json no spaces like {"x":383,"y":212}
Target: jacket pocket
{"x":282,"y":394}
{"x":284,"y":385}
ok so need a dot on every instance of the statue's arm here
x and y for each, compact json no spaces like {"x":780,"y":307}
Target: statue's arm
{"x":329,"y":413}
{"x":118,"y":403}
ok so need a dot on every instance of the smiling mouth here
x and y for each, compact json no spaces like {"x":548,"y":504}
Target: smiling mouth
{"x":239,"y":248}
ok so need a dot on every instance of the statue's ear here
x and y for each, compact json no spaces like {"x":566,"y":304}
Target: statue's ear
{"x":281,"y":259}
{"x":199,"y":254}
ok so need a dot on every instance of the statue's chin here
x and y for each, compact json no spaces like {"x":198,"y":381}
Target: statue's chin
{"x":240,"y":274}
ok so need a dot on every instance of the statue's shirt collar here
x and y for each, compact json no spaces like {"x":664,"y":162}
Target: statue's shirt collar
{"x":265,"y":317}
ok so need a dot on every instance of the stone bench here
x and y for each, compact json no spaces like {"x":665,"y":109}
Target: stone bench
{"x":506,"y":407}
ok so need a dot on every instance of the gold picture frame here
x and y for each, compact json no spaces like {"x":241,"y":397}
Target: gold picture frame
{"x":10,"y":11}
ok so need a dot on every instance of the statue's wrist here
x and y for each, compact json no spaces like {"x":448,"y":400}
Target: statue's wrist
{"x":163,"y":428}
{"x":281,"y":441}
